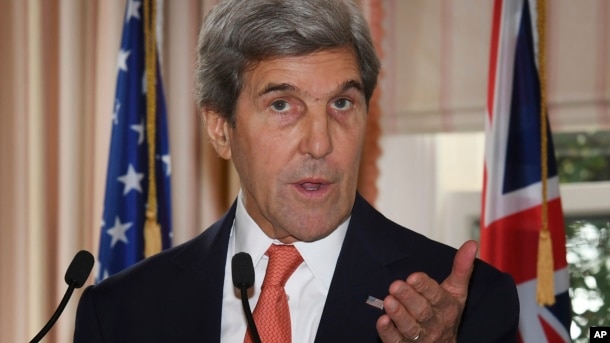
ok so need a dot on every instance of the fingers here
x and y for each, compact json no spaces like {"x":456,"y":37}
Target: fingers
{"x":463,"y":264}
{"x":392,"y":330}
{"x":420,"y":307}
{"x":408,"y":313}
{"x":417,"y":298}
{"x":455,"y":286}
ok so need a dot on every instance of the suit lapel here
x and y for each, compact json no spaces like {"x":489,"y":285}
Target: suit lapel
{"x":365,"y":268}
{"x":201,"y":285}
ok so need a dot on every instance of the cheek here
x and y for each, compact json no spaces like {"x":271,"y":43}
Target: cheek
{"x":259,"y":160}
{"x":350,"y":144}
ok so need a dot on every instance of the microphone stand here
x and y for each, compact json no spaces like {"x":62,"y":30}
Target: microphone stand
{"x":251,"y":326}
{"x":76,"y":275}
{"x":56,"y":314}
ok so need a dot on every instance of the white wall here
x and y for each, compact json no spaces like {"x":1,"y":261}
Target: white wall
{"x":420,"y":176}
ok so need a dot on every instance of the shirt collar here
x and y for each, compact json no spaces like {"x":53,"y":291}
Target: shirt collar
{"x":319,"y":256}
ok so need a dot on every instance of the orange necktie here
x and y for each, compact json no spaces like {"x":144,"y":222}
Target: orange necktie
{"x":271,"y":314}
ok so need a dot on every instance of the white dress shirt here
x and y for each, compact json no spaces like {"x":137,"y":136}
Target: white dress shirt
{"x":307,"y":288}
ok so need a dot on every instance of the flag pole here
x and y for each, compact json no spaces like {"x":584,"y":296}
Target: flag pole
{"x":152,"y":229}
{"x":545,"y":290}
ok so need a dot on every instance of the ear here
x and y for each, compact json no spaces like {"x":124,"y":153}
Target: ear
{"x":217,"y":127}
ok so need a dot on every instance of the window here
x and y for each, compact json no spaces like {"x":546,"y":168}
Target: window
{"x":585,"y":157}
{"x":588,"y":249}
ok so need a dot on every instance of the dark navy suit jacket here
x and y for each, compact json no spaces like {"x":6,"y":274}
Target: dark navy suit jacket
{"x":176,"y":295}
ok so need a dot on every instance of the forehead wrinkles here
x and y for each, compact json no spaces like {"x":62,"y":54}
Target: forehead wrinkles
{"x":317,"y":75}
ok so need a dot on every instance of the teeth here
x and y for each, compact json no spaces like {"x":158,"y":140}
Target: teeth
{"x":311,"y":186}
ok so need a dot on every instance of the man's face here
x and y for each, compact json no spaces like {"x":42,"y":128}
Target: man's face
{"x":296,"y":145}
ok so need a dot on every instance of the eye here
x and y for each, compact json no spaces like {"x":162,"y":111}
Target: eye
{"x":342,"y":104}
{"x":280,"y":106}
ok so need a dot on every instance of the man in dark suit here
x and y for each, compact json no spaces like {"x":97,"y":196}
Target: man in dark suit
{"x":284,"y":88}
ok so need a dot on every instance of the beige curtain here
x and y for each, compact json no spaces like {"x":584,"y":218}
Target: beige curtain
{"x":437,"y":53}
{"x":369,"y":173}
{"x":58,"y":75}
{"x":52,"y":113}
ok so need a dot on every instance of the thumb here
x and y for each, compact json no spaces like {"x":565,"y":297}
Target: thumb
{"x":463,"y":264}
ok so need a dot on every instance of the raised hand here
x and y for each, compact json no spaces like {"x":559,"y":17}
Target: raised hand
{"x":420,"y":310}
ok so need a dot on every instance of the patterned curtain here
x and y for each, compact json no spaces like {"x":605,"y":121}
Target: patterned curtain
{"x":369,"y":172}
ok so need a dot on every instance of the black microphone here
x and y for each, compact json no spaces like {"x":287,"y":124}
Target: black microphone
{"x":243,"y":278}
{"x":76,"y":275}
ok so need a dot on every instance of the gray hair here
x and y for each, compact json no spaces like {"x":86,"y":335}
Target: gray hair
{"x":237,"y":34}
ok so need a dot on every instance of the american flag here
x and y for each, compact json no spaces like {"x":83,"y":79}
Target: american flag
{"x":512,"y":195}
{"x":124,"y":214}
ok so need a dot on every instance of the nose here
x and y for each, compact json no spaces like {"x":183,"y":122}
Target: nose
{"x":317,"y":137}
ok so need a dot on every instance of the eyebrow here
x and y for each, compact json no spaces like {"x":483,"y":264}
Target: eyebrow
{"x":349,"y":84}
{"x":283,"y":87}
{"x":277,"y":87}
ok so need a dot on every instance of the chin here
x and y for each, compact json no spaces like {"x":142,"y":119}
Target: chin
{"x":322,"y":230}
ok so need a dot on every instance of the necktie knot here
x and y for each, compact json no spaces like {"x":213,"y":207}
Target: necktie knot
{"x":283,"y":260}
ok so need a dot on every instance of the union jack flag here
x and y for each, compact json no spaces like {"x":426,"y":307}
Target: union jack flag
{"x":512,"y":191}
{"x":124,"y":214}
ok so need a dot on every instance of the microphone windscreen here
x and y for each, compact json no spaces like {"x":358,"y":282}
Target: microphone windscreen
{"x":242,"y":270}
{"x":79,"y":269}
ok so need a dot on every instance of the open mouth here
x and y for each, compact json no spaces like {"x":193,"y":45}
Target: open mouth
{"x":311,"y":186}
